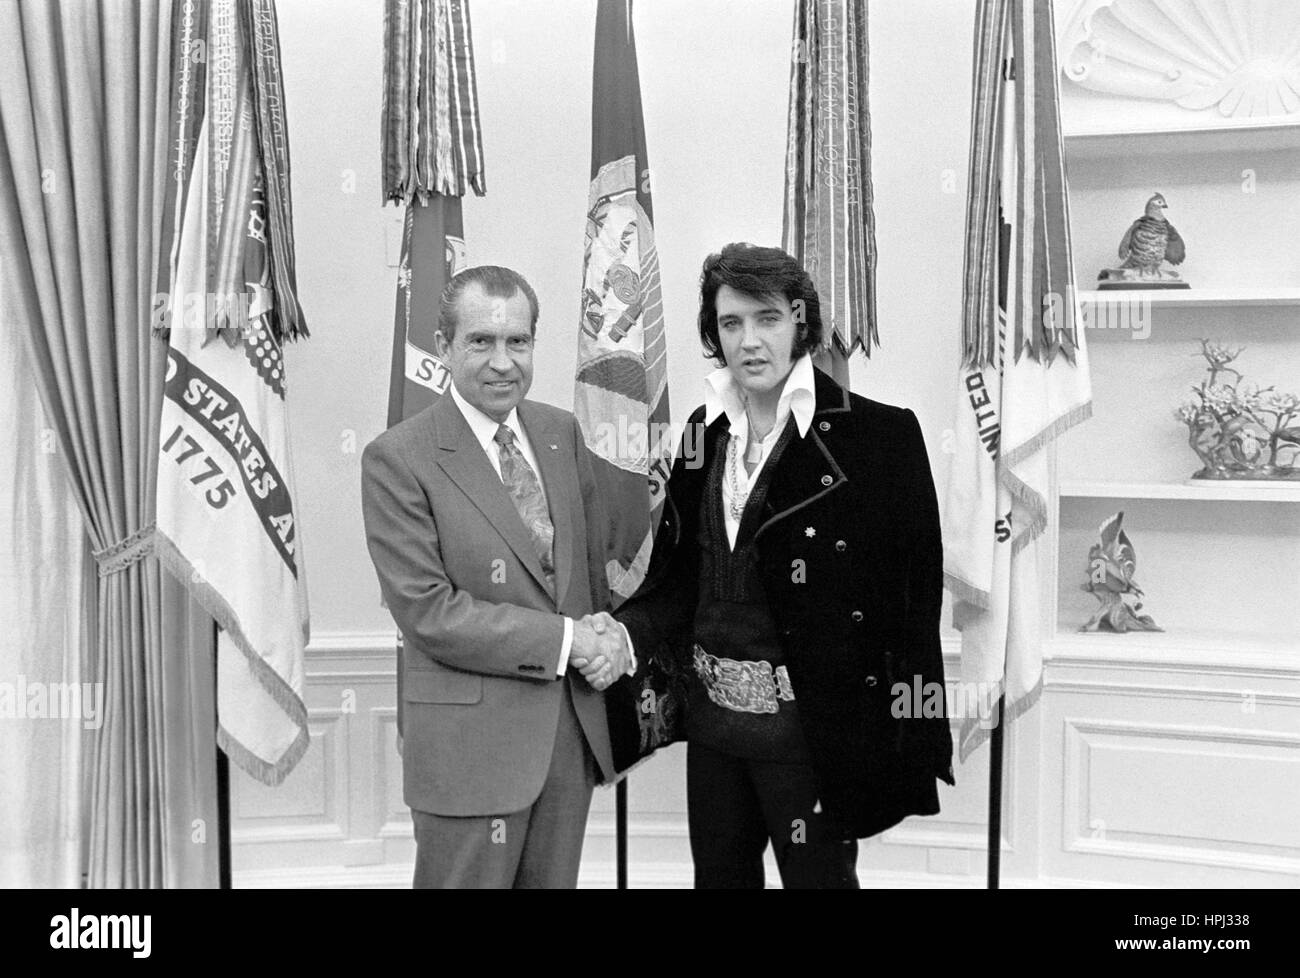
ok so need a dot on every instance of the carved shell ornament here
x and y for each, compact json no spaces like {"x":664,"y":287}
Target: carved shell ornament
{"x":1240,"y":57}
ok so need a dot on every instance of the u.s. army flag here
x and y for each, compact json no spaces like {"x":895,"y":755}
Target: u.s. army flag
{"x":226,"y":516}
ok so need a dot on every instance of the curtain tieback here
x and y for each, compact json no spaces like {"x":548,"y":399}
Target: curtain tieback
{"x":131,"y":549}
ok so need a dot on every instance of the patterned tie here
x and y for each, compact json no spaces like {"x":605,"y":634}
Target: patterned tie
{"x":526,"y":491}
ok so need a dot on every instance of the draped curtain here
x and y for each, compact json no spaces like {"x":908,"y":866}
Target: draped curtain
{"x":43,"y":565}
{"x":84,"y":98}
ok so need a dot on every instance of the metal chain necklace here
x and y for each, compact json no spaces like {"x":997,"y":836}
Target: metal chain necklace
{"x":753,"y":453}
{"x":739,"y":496}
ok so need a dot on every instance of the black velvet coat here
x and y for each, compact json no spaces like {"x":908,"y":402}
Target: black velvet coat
{"x":852,"y":565}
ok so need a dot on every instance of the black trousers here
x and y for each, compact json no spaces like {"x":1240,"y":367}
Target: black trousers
{"x":735,"y":807}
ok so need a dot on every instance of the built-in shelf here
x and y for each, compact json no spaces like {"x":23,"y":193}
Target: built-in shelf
{"x":1201,"y":490}
{"x":1197,"y":298}
{"x":1252,"y":137}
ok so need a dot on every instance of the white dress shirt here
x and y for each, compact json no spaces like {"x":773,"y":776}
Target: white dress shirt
{"x":723,"y":394}
{"x":485,"y":430}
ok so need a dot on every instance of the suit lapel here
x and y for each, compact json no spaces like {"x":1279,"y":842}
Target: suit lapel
{"x":560,"y":481}
{"x":462,"y":457}
{"x":807,"y":470}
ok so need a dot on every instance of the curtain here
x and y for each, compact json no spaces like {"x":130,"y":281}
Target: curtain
{"x":84,"y":98}
{"x":43,"y":565}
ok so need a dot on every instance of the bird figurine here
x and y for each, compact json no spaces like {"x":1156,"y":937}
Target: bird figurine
{"x":1149,"y":242}
{"x":1112,"y":563}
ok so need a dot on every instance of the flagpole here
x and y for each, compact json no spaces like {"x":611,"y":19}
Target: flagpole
{"x":618,"y":327}
{"x":223,"y":820}
{"x":995,"y":799}
{"x":620,"y":831}
{"x":223,"y":787}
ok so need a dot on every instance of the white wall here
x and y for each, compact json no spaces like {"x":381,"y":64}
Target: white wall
{"x":714,"y":76}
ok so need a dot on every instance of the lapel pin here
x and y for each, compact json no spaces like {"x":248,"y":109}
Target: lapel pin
{"x":810,"y":532}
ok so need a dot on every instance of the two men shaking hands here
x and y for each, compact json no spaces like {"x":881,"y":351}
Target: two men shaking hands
{"x":602,"y":651}
{"x":486,"y":522}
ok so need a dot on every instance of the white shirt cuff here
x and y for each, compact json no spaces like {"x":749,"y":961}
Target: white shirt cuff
{"x":627,"y":640}
{"x":565,"y":646}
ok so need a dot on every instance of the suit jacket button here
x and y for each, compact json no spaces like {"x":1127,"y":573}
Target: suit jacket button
{"x":841,"y":546}
{"x":825,"y":426}
{"x":827,"y":480}
{"x":856,"y":616}
{"x":871,"y":680}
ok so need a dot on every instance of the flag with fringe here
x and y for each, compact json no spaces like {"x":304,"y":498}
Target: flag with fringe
{"x":226,"y":517}
{"x":1015,"y":394}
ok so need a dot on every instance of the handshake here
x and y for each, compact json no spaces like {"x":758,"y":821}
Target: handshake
{"x":599,"y":650}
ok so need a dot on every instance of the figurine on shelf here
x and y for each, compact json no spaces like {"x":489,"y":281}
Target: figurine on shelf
{"x":1241,"y":432}
{"x":1112,"y":563}
{"x":1147,"y":244}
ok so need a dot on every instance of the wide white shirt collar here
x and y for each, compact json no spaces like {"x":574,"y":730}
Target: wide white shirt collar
{"x":798,"y":397}
{"x":485,"y":428}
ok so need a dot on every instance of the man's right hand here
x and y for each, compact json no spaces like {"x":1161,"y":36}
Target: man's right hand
{"x":598,"y":651}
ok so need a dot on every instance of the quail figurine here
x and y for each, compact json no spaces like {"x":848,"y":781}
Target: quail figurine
{"x":1149,"y":242}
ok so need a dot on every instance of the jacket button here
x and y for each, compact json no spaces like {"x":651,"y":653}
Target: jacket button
{"x":871,"y":680}
{"x":827,"y":480}
{"x":841,"y":546}
{"x":856,"y":616}
{"x":825,"y":426}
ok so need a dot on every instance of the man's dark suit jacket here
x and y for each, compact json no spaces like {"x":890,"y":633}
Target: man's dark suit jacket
{"x":852,"y":565}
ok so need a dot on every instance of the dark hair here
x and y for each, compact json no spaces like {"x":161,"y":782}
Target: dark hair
{"x":757,"y":272}
{"x":503,"y":283}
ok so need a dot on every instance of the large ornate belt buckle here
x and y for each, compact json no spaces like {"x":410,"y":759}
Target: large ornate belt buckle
{"x":746,"y":687}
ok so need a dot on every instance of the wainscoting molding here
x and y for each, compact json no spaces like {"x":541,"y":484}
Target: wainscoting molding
{"x":1172,"y":767}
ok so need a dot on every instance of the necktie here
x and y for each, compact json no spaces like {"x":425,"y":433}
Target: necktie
{"x":526,"y":491}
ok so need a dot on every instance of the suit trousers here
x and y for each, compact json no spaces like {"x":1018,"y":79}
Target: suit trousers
{"x":735,"y":806}
{"x":537,"y":848}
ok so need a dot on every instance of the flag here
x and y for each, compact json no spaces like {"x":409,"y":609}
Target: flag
{"x":828,"y":222}
{"x":1015,"y":393}
{"x":621,"y":385}
{"x":225,"y":492}
{"x":431,"y":155}
{"x":430,"y":137}
{"x":433,"y":250}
